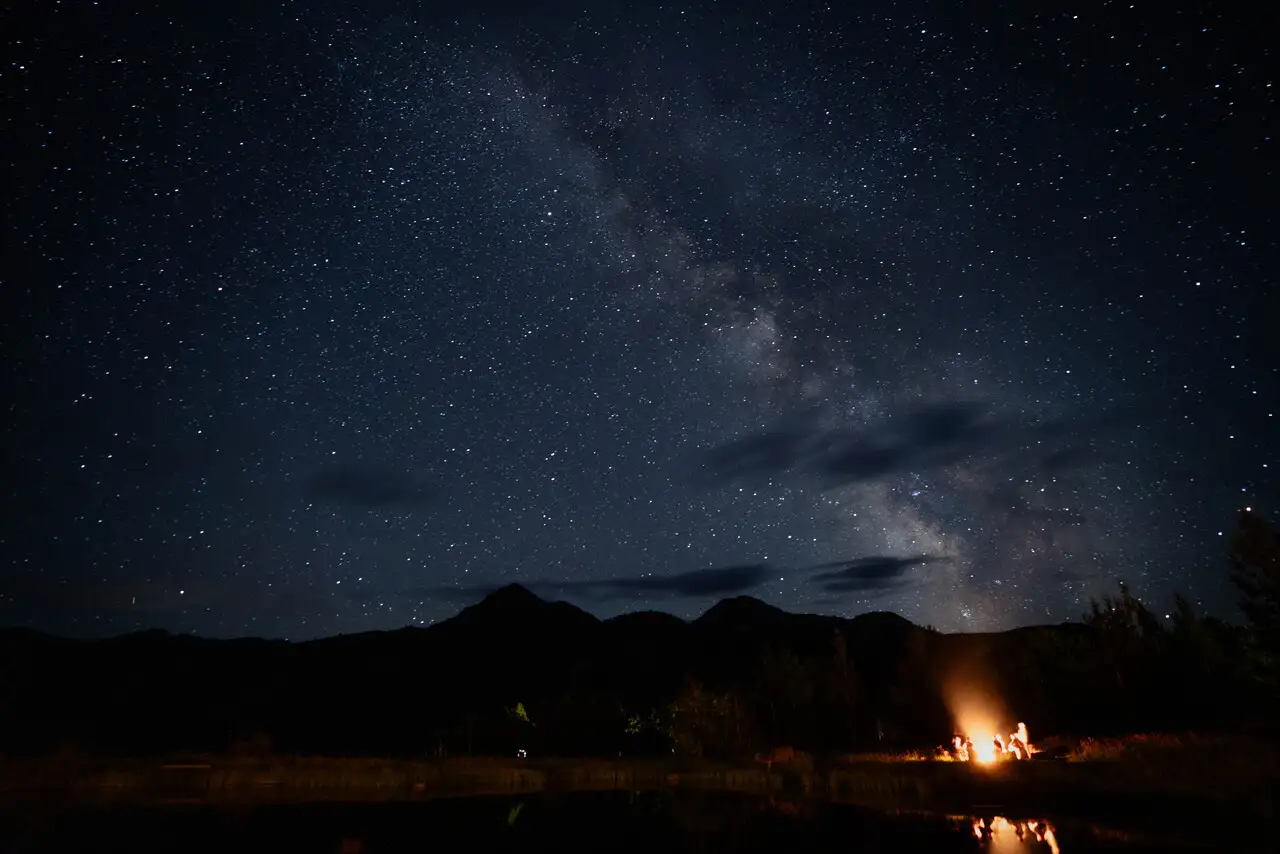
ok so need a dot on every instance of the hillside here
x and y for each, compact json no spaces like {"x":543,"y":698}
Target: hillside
{"x":825,"y":682}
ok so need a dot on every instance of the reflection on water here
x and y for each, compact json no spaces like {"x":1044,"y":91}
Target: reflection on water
{"x":1001,"y":834}
{"x":651,"y":822}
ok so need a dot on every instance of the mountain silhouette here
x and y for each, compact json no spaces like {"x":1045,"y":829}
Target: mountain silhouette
{"x":452,"y":685}
{"x":741,"y":611}
{"x":510,"y":599}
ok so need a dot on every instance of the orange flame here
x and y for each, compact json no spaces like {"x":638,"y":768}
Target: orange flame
{"x":985,"y":749}
{"x":1006,"y":835}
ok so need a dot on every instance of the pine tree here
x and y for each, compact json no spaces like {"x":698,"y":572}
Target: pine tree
{"x":1255,"y":558}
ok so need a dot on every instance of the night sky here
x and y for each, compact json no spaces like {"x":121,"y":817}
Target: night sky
{"x":320,"y":317}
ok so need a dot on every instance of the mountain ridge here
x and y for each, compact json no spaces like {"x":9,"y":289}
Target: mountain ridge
{"x":815,"y":681}
{"x":517,"y":600}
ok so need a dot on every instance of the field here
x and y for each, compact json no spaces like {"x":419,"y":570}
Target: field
{"x":1114,"y":776}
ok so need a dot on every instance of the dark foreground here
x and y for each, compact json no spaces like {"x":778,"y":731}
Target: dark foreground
{"x":1143,"y":794}
{"x":1213,"y":780}
{"x":646,"y":822}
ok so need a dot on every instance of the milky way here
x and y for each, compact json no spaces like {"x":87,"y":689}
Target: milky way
{"x":323,"y":320}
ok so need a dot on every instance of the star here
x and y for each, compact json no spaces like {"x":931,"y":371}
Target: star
{"x":328,"y":328}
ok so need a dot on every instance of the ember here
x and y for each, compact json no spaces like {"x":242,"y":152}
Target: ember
{"x":991,"y":748}
{"x":1003,"y":834}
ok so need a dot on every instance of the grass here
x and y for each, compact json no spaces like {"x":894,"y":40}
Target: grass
{"x":1225,"y":768}
{"x":889,"y":756}
{"x":1145,"y":745}
{"x":1176,"y":771}
{"x":283,"y":777}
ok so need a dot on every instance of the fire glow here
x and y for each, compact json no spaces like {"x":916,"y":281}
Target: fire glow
{"x":1003,"y":834}
{"x":985,"y":749}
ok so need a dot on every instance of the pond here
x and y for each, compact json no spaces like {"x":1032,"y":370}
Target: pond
{"x":664,"y":822}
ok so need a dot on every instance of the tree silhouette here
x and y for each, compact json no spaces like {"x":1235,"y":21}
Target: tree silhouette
{"x":1255,"y":558}
{"x":712,"y":724}
{"x":783,"y":695}
{"x":1130,"y":646}
{"x":842,"y":695}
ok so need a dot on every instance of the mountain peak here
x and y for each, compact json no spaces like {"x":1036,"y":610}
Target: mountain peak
{"x":741,"y":609}
{"x":507,"y":602}
{"x":513,"y":611}
{"x":513,"y":596}
{"x":882,"y":618}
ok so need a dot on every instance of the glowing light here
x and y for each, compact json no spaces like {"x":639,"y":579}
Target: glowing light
{"x":985,"y":749}
{"x":1006,"y":835}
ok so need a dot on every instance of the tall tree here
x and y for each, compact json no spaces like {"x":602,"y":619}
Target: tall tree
{"x":783,"y":695}
{"x":713,"y":724}
{"x":1255,"y":558}
{"x":842,"y":729}
{"x":1130,"y":644}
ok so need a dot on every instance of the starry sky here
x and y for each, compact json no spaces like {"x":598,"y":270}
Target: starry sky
{"x":324,"y":317}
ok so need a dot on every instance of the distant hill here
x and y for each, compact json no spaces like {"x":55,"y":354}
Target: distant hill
{"x":450,"y":686}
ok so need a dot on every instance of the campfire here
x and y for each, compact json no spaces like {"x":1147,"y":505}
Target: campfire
{"x":990,"y":747}
{"x":1003,"y":834}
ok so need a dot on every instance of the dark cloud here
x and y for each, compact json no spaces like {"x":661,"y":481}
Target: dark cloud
{"x":926,"y":438}
{"x":766,"y":453}
{"x":371,"y":487}
{"x":698,"y":583}
{"x":873,"y":574}
{"x":719,"y":581}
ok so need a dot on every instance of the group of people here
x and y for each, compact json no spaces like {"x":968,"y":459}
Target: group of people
{"x":1017,"y":746}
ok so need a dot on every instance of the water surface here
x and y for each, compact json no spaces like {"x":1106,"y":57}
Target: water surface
{"x":653,"y":823}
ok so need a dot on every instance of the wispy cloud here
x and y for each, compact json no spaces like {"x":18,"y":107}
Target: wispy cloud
{"x":873,"y":574}
{"x":924,"y":438}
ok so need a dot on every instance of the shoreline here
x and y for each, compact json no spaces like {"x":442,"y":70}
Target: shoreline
{"x":1112,"y":787}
